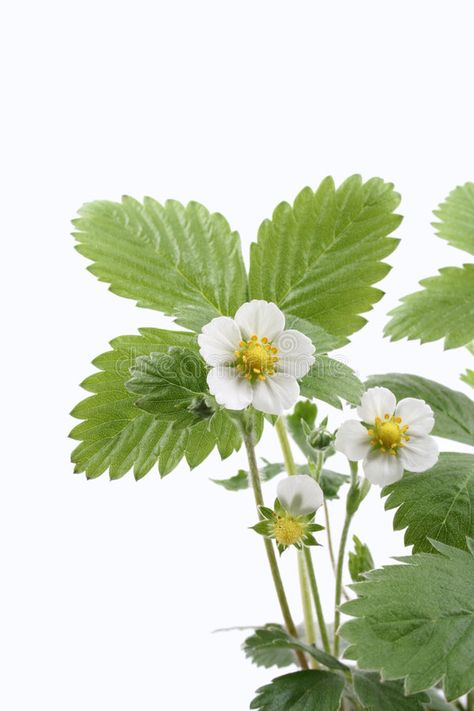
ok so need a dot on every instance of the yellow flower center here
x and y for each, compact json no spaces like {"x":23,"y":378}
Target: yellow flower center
{"x":388,"y":434}
{"x":256,"y":358}
{"x":287,"y":530}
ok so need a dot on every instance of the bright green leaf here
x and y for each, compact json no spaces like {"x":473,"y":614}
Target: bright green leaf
{"x":318,"y":259}
{"x":330,"y":380}
{"x":453,"y":411}
{"x":360,"y":560}
{"x":444,"y":308}
{"x":416,"y":621}
{"x":180,"y":260}
{"x":468,"y":377}
{"x":456,"y":218}
{"x":311,"y":690}
{"x":376,"y":695}
{"x":436,"y":504}
{"x":118,"y":436}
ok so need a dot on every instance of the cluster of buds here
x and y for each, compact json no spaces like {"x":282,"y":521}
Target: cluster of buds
{"x":291,"y":522}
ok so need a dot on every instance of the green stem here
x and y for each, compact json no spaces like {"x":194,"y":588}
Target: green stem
{"x":470,"y":701}
{"x":306,"y":602}
{"x":329,"y":536}
{"x":270,"y":551}
{"x":317,"y":599}
{"x":290,"y":464}
{"x":341,"y":556}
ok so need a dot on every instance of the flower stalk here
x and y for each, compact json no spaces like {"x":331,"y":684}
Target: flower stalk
{"x":248,"y":438}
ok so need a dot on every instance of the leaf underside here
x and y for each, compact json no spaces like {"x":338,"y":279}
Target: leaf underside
{"x":416,"y":621}
{"x":319,"y":258}
{"x":118,"y":436}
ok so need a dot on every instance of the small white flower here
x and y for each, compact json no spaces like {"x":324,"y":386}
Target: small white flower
{"x":253,"y":360}
{"x":393,"y":437}
{"x":300,"y":495}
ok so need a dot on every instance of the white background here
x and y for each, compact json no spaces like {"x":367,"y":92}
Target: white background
{"x":110,"y":591}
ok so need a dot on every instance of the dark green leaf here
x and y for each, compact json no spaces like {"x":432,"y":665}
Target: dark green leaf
{"x":330,"y":380}
{"x":453,"y":411}
{"x":360,"y":561}
{"x":260,"y":648}
{"x":183,"y":261}
{"x":444,"y":308}
{"x":456,"y":218}
{"x":376,"y":695}
{"x":416,"y":621}
{"x":169,"y":383}
{"x":437,"y":504}
{"x":118,"y":436}
{"x":311,"y":690}
{"x":318,"y":259}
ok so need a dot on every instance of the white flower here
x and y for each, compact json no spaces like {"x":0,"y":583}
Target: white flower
{"x":393,"y":437}
{"x":300,"y":495}
{"x":253,"y":360}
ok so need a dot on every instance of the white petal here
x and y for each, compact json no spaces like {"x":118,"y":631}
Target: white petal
{"x":382,"y":468}
{"x":295,"y":353}
{"x":260,"y":318}
{"x":218,"y":340}
{"x":376,"y":402}
{"x":417,"y":414}
{"x":300,"y":494}
{"x":277,"y":393}
{"x":229,"y":388}
{"x":353,"y":440}
{"x":420,"y":453}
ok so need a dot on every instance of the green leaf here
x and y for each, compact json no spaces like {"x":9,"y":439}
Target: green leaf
{"x":468,"y":377}
{"x":443,"y":309}
{"x":416,"y":621}
{"x":330,"y":380}
{"x":260,"y":648}
{"x":311,"y":690}
{"x":360,"y":561}
{"x":118,"y":436}
{"x":263,"y":643}
{"x":169,"y":384}
{"x":240,"y":481}
{"x":453,"y":411}
{"x":456,"y":218}
{"x":377,"y":695}
{"x":321,"y":339}
{"x":437,"y":504}
{"x":318,"y":259}
{"x":304,"y":411}
{"x":180,"y":260}
{"x":331,"y":482}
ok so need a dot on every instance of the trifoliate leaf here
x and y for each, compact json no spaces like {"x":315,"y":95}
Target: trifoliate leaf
{"x":170,"y":385}
{"x":437,"y":504}
{"x":416,"y":621}
{"x":180,"y":260}
{"x":444,"y":308}
{"x":311,"y":690}
{"x":330,"y":380}
{"x":377,"y":695}
{"x":360,"y":560}
{"x":318,"y":259}
{"x":453,"y":411}
{"x":118,"y":436}
{"x":456,"y":218}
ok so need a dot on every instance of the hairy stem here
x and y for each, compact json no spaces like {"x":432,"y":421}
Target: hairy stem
{"x":290,"y":464}
{"x":341,"y":557}
{"x":317,"y":600}
{"x":270,"y":550}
